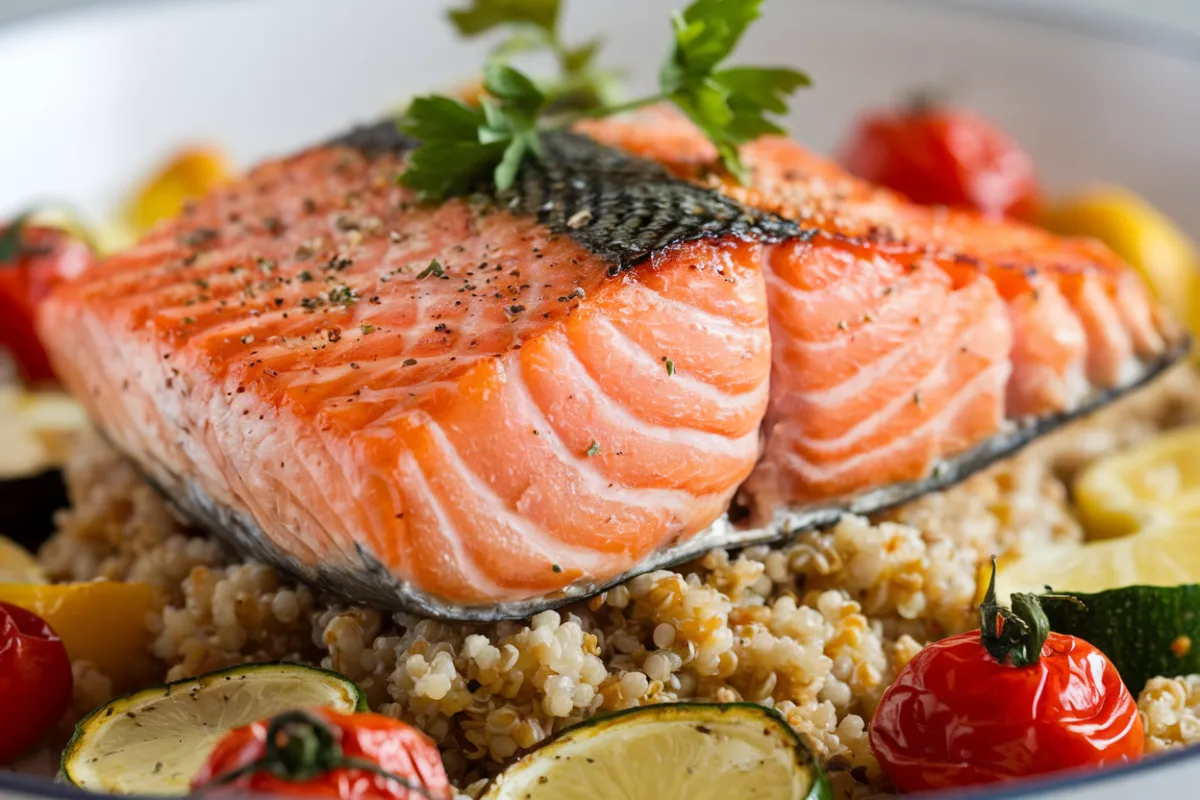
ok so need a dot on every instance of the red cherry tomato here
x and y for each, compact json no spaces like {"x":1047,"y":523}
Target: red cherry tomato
{"x":945,"y":157}
{"x":35,"y":680}
{"x":956,"y":716}
{"x":33,"y":260}
{"x":321,"y":753}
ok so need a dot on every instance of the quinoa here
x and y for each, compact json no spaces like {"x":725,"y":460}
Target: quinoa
{"x":816,"y":628}
{"x":1170,"y":710}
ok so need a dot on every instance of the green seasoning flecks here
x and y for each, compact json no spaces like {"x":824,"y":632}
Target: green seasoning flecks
{"x":594,"y":449}
{"x":434,"y":269}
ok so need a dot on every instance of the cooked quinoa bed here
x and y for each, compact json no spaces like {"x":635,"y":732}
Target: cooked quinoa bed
{"x":815,"y":628}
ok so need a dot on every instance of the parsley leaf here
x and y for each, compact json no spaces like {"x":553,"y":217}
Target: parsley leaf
{"x":460,"y":144}
{"x":484,"y":15}
{"x":729,"y":105}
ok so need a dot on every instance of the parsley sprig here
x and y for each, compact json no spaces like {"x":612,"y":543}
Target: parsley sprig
{"x":532,"y":26}
{"x":461,"y":144}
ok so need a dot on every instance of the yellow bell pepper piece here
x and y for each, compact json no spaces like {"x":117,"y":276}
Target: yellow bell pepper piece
{"x":1142,"y":235}
{"x":189,"y":175}
{"x":103,"y":622}
{"x":17,"y":565}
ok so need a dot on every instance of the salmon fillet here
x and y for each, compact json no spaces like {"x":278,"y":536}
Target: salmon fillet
{"x":497,"y":404}
{"x":905,"y":335}
{"x":434,"y":406}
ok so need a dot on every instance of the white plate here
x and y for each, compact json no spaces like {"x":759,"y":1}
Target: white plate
{"x":89,"y":101}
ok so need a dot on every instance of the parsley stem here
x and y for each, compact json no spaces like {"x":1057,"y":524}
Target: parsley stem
{"x":620,"y":108}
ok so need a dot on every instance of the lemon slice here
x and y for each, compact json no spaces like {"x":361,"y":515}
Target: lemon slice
{"x":17,"y":565}
{"x":1144,"y":237}
{"x":1162,"y":556}
{"x":152,"y":742}
{"x":1143,"y":487}
{"x":664,"y":752}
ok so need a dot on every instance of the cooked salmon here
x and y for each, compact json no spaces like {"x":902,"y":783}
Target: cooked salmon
{"x":488,"y":406}
{"x":469,"y":403}
{"x":905,"y":335}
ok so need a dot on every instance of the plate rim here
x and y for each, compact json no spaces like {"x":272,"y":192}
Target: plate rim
{"x":1094,"y":24}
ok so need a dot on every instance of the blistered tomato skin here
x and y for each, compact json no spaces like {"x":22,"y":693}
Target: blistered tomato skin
{"x":945,"y":157}
{"x":42,"y":258}
{"x":35,"y":680}
{"x":957,"y":717}
{"x":344,"y":756}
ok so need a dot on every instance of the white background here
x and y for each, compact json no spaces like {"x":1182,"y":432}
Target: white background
{"x":1183,"y":14}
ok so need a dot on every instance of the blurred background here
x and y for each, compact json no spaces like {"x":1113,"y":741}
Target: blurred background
{"x":99,"y":96}
{"x":1182,"y":13}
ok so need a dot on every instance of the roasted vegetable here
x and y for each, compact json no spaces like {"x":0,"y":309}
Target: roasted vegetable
{"x":35,"y":680}
{"x":322,"y":753}
{"x":103,"y":622}
{"x":153,"y":742}
{"x":1007,"y":701}
{"x":33,"y":259}
{"x":189,"y":175}
{"x":943,"y":156}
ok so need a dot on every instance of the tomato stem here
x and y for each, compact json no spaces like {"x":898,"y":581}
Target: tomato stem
{"x":300,"y":747}
{"x":12,"y":243}
{"x":1012,"y":635}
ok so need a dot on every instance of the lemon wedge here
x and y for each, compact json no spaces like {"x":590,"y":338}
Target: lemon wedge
{"x":17,"y":565}
{"x":1143,"y":236}
{"x":1140,"y":509}
{"x":154,"y":741}
{"x":1144,"y":487}
{"x":1162,"y":556}
{"x":662,"y":752}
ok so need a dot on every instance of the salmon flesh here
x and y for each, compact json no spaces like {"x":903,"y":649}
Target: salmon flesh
{"x":493,"y":405}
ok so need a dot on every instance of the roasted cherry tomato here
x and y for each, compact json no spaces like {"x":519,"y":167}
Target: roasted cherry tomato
{"x":321,"y":753}
{"x":1014,"y":701}
{"x":944,"y":157}
{"x":33,"y":259}
{"x":35,"y":680}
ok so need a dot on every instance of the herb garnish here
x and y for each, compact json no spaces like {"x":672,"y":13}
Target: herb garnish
{"x":434,"y":269}
{"x":462,"y":144}
{"x":594,"y":449}
{"x":533,"y":26}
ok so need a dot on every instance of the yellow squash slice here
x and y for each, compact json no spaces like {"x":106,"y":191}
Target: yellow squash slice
{"x":103,"y":622}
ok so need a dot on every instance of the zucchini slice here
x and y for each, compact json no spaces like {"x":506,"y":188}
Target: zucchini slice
{"x":152,"y":742}
{"x":663,"y":752}
{"x":1145,"y":631}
